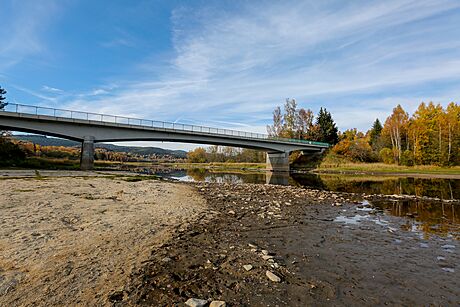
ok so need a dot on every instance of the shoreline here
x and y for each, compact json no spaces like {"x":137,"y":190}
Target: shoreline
{"x":384,"y":174}
{"x":297,"y":235}
{"x":217,"y":242}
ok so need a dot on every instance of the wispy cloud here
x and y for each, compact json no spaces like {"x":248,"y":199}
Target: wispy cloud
{"x":231,"y":68}
{"x":50,"y":89}
{"x":23,"y":22}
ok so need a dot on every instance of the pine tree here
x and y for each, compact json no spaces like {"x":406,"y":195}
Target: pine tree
{"x":375,"y":133}
{"x":327,"y":130}
{"x":3,"y":102}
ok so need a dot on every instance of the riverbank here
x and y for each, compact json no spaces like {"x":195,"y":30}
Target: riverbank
{"x":286,"y":246}
{"x":389,"y":169}
{"x":116,"y":241}
{"x":75,"y":240}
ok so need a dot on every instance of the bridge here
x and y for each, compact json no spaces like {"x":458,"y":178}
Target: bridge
{"x":89,"y":128}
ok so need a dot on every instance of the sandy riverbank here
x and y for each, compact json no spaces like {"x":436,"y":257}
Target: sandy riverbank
{"x":75,"y":241}
{"x":105,"y":241}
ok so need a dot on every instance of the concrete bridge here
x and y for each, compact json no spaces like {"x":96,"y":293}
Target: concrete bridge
{"x":90,"y":128}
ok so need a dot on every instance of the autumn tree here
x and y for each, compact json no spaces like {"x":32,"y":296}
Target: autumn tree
{"x":396,"y":129}
{"x":198,"y":155}
{"x":277,"y":127}
{"x":293,"y":123}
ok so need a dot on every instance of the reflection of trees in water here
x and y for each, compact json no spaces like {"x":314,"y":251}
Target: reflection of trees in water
{"x":431,"y":218}
{"x":201,"y":174}
{"x":441,"y":188}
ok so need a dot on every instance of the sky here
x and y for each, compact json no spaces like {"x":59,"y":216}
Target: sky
{"x":228,"y":64}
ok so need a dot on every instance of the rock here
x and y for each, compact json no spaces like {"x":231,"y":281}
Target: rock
{"x":267,"y":257}
{"x":231,"y":212}
{"x":247,"y":267}
{"x":252,"y":245}
{"x":265,"y":252}
{"x":166,"y":259}
{"x":196,"y":302}
{"x":272,"y":277}
{"x":218,"y":304}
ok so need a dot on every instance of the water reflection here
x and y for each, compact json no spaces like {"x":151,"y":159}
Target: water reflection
{"x":439,"y":188}
{"x":425,"y":217}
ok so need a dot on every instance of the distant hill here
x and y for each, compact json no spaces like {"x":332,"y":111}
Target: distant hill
{"x":47,"y":141}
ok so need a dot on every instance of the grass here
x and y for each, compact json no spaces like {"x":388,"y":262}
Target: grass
{"x":332,"y":163}
{"x":138,"y":178}
{"x":219,"y":165}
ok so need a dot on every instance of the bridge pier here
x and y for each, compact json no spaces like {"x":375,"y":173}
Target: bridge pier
{"x":87,"y":154}
{"x":278,"y":162}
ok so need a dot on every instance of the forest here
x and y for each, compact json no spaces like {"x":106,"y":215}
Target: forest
{"x":430,"y":136}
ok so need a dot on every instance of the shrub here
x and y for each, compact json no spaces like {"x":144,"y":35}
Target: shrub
{"x":407,"y":158}
{"x":386,"y":155}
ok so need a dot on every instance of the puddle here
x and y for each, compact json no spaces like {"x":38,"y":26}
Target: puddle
{"x":423,"y":219}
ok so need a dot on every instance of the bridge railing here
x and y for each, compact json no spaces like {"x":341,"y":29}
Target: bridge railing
{"x":115,"y":119}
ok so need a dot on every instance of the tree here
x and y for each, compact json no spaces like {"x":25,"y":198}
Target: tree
{"x":290,"y":119}
{"x":396,"y":127}
{"x":198,"y":155}
{"x":3,"y":102}
{"x":277,"y":127}
{"x":374,"y":133}
{"x":328,"y":131}
{"x":304,"y":123}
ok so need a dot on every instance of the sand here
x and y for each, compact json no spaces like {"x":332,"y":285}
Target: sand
{"x":75,"y":241}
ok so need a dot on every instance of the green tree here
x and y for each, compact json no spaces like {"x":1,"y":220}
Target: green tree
{"x":375,"y":133}
{"x":3,"y":102}
{"x":327,"y":130}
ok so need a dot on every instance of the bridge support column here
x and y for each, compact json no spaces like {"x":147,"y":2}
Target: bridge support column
{"x":278,"y":162}
{"x":87,"y":154}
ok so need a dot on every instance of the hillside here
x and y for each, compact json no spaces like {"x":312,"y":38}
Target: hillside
{"x":49,"y":141}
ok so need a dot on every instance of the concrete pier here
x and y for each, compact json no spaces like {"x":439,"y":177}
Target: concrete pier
{"x":87,"y":154}
{"x":278,"y":162}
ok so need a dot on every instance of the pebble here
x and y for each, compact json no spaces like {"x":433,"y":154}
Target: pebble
{"x":264,"y":251}
{"x":218,"y":304}
{"x":231,"y":212}
{"x":196,"y":302}
{"x":272,"y":277}
{"x":166,"y":259}
{"x":247,"y":267}
{"x":267,"y":257}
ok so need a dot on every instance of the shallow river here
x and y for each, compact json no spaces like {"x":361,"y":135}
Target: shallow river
{"x":424,"y":217}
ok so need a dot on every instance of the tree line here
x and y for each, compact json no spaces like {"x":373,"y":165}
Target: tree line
{"x":430,"y":136}
{"x":224,"y":154}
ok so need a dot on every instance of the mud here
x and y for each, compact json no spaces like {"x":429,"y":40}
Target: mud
{"x":327,"y":249}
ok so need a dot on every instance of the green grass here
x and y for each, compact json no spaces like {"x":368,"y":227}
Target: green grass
{"x":333,"y":163}
{"x":219,"y":165}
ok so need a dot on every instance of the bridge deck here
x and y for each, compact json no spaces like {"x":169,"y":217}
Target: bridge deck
{"x":45,"y":113}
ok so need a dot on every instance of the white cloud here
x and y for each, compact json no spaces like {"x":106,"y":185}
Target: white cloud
{"x":26,"y":21}
{"x":230,"y":69}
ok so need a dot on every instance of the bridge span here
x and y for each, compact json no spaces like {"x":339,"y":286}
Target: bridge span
{"x":89,"y":128}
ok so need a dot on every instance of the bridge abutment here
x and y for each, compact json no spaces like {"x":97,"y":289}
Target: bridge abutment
{"x":278,"y":162}
{"x":87,"y":154}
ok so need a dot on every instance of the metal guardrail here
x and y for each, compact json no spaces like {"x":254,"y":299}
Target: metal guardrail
{"x":115,"y":119}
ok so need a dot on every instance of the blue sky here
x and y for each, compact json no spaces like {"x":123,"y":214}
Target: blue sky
{"x":229,"y":63}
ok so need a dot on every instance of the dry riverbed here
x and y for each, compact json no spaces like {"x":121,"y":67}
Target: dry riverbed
{"x":75,"y":241}
{"x":101,"y":241}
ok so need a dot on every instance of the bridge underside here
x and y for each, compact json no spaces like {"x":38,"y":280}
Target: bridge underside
{"x":89,"y":132}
